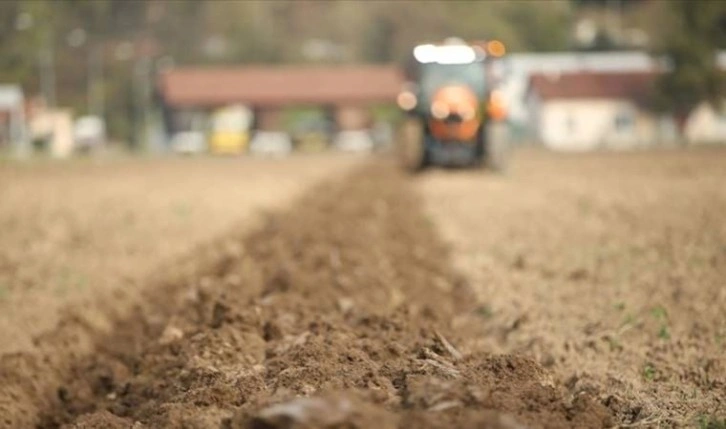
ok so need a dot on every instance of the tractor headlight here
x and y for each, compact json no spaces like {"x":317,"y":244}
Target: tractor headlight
{"x":439,"y":110}
{"x":406,"y":100}
{"x":497,"y":108}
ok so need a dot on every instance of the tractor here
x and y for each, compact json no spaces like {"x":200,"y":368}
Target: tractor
{"x":453,"y":114}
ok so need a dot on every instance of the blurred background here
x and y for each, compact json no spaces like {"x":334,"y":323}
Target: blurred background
{"x":190,"y":76}
{"x":607,"y":268}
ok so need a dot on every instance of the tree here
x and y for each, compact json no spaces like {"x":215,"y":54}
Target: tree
{"x":128,"y":34}
{"x":380,"y":40}
{"x":696,"y":31}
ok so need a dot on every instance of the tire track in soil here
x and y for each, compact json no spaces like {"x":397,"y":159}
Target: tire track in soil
{"x":348,"y":299}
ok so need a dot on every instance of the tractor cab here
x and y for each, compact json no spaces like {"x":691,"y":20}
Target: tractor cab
{"x":452,"y":107}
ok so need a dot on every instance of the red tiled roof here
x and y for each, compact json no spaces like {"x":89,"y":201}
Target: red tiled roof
{"x":635,"y":86}
{"x":274,"y":86}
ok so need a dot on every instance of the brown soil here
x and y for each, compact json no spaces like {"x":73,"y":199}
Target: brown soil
{"x":76,"y":231}
{"x":343,"y":311}
{"x":608,"y":269}
{"x":580,"y":291}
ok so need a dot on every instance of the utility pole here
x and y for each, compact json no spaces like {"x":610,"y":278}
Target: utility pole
{"x":46,"y":65}
{"x":96,"y":97}
{"x":142,"y":87}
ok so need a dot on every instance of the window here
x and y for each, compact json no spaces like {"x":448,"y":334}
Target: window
{"x":624,"y":121}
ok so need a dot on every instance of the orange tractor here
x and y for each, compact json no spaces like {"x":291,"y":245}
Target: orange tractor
{"x":454,"y":114}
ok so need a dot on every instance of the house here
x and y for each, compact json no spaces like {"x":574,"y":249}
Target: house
{"x":345,"y":93}
{"x":269,"y":89}
{"x":705,"y":125}
{"x":52,"y":131}
{"x":517,"y":68}
{"x":588,"y":110}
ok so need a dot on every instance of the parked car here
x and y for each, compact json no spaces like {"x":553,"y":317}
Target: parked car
{"x":354,"y":141}
{"x":89,"y":133}
{"x":230,"y":130}
{"x":271,"y":143}
{"x":188,"y":142}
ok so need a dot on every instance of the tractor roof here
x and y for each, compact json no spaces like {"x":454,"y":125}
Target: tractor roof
{"x":447,"y":54}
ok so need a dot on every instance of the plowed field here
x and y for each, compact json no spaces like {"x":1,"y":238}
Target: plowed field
{"x":583,"y":291}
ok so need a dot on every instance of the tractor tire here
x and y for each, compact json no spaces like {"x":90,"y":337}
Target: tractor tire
{"x":496,"y":147}
{"x":411,"y":150}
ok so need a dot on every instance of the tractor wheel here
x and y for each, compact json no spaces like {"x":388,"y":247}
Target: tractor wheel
{"x":496,"y":147}
{"x":410,"y":145}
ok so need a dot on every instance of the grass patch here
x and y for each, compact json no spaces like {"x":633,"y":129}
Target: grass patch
{"x":485,"y":311}
{"x":661,"y":316}
{"x":649,"y":372}
{"x":659,"y":313}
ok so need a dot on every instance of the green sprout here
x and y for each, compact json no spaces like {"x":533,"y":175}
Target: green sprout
{"x":485,"y":311}
{"x":649,"y":372}
{"x":661,"y":315}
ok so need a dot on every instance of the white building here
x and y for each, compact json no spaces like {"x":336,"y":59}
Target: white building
{"x":54,"y":127}
{"x":584,"y":111}
{"x":517,"y":68}
{"x":590,"y":110}
{"x":706,"y":125}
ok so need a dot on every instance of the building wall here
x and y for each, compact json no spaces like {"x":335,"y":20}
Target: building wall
{"x":587,"y":124}
{"x":56,"y":128}
{"x":706,"y":125}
